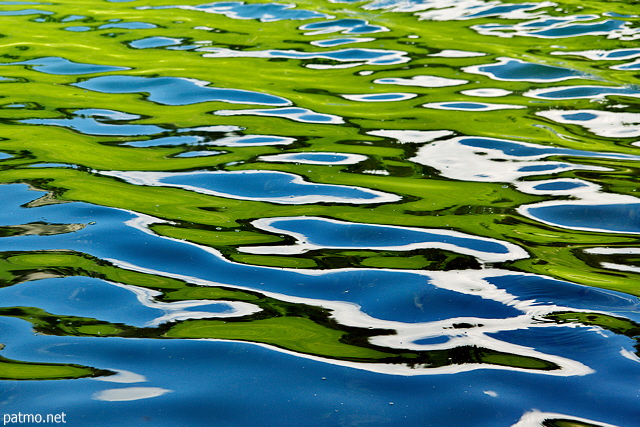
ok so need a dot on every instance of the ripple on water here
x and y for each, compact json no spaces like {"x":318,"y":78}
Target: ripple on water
{"x":509,"y":69}
{"x":128,"y":26}
{"x":96,"y":121}
{"x":267,"y":186}
{"x":609,"y":124}
{"x":153,"y":42}
{"x":342,"y":26}
{"x":487,"y":92}
{"x":350,"y":57}
{"x":63,"y":66}
{"x":340,"y":41}
{"x":315,"y":158}
{"x":619,"y":258}
{"x":579,"y":92}
{"x":601,"y":217}
{"x":137,"y":306}
{"x":471,"y":106}
{"x":499,"y":160}
{"x":264,"y":12}
{"x":314,"y":233}
{"x":294,"y":113}
{"x":548,"y":27}
{"x":421,"y":81}
{"x":177,"y":91}
{"x":380,"y":97}
{"x":411,"y":136}
{"x":23,"y":12}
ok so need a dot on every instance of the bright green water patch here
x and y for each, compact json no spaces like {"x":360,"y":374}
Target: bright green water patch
{"x":18,"y":370}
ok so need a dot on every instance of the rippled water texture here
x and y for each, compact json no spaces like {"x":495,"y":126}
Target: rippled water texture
{"x":327,"y":212}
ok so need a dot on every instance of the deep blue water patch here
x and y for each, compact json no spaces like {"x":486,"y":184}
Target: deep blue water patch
{"x":612,"y":218}
{"x":574,"y":30}
{"x":320,"y":157}
{"x":559,"y":186}
{"x":517,"y":149}
{"x":547,"y":291}
{"x":335,"y":234}
{"x":516,"y":70}
{"x":589,"y":92}
{"x":632,"y":66}
{"x":502,"y":9}
{"x":81,"y":296}
{"x":277,"y":187}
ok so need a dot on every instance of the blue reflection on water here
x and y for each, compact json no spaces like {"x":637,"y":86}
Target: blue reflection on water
{"x":277,"y":187}
{"x":96,"y":122}
{"x":199,"y":153}
{"x":317,"y":158}
{"x":337,"y":234}
{"x":151,"y":42}
{"x":576,"y":92}
{"x":177,"y":91}
{"x":63,"y":66}
{"x":320,"y":394}
{"x":518,"y":149}
{"x":502,"y":9}
{"x":296,"y":114}
{"x":558,"y":186}
{"x":603,"y":27}
{"x":367,"y":56}
{"x":129,"y":26}
{"x":78,"y":295}
{"x":166,"y":141}
{"x":381,"y":97}
{"x":25,"y":12}
{"x":78,"y":28}
{"x":344,"y":26}
{"x":613,"y":218}
{"x":516,"y":70}
{"x":268,"y":12}
{"x":542,"y":291}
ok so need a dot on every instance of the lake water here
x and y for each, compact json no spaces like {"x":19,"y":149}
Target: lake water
{"x":327,"y":212}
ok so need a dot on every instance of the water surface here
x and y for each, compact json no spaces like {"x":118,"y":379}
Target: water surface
{"x":349,"y":213}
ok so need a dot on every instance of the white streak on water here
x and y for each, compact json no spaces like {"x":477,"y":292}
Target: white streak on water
{"x":609,"y":124}
{"x":421,"y":81}
{"x":536,"y":418}
{"x":129,"y":393}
